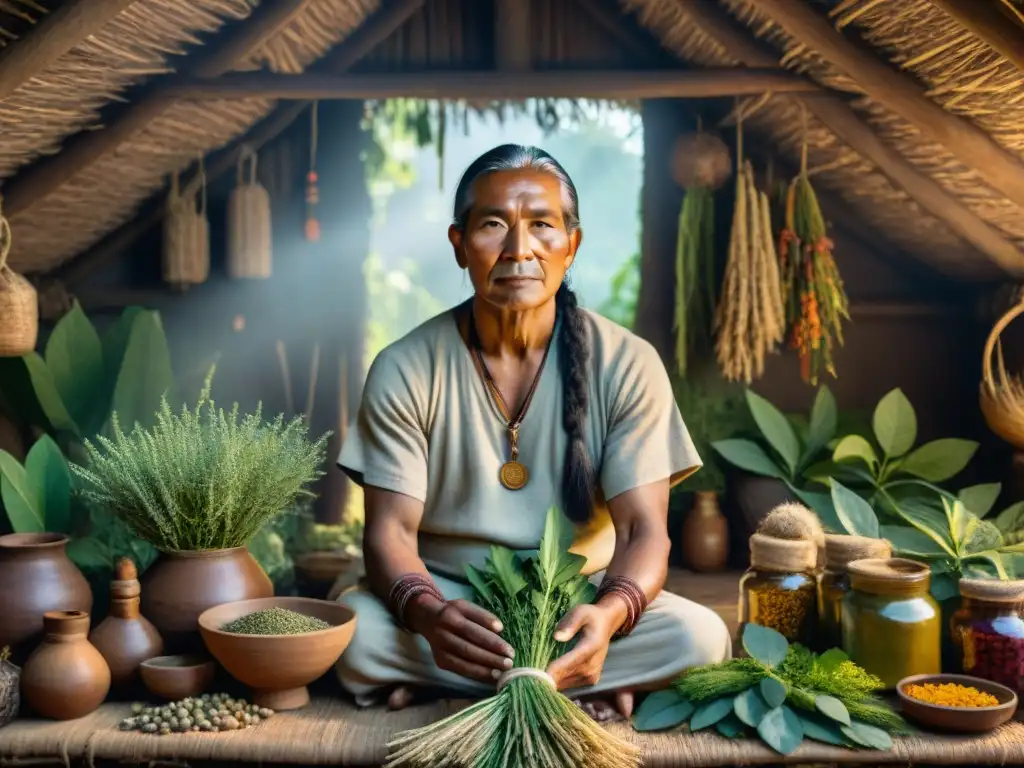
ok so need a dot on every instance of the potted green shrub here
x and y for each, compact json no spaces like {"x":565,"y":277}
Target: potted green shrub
{"x":198,"y":485}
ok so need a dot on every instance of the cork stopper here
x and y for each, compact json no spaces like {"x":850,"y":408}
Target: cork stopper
{"x":793,"y":521}
{"x":889,"y":576}
{"x":125,"y":589}
{"x":782,"y":555}
{"x":993,"y":590}
{"x":842,"y":550}
{"x":125,"y":570}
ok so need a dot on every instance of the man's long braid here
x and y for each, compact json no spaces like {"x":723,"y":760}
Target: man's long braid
{"x":574,"y":357}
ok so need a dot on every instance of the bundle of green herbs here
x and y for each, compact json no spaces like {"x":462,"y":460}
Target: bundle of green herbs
{"x":781,"y":693}
{"x":204,"y":478}
{"x":527,"y":722}
{"x":695,"y":274}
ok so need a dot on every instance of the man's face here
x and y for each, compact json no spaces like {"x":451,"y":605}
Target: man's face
{"x":515,"y":244}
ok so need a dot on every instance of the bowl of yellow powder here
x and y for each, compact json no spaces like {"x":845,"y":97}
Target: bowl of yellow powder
{"x":957,"y":703}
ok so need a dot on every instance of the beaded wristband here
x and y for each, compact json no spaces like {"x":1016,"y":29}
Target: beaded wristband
{"x":631,"y":594}
{"x":405,"y":589}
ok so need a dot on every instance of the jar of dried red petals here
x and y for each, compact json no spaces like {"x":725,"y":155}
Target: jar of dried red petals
{"x":989,"y":630}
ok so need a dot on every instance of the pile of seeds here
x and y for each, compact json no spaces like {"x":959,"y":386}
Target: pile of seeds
{"x":275,"y":621}
{"x":211,"y":713}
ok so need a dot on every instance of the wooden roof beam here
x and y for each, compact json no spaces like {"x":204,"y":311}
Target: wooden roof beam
{"x":992,"y":22}
{"x":836,"y":115}
{"x":57,"y":34}
{"x":237,"y":42}
{"x":1002,"y":169}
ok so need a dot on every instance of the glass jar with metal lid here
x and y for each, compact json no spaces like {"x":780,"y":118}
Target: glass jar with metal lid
{"x":779,"y":590}
{"x":892,"y":626}
{"x":840,"y":551}
{"x":988,"y":629}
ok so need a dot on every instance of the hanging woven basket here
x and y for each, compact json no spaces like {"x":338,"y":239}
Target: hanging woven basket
{"x":19,"y":304}
{"x":700,"y":160}
{"x":186,"y":256}
{"x":249,"y":239}
{"x":1002,"y":395}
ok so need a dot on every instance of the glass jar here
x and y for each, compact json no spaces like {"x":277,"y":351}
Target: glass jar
{"x":780,"y":589}
{"x":892,"y":626}
{"x":988,"y":630}
{"x":840,"y":551}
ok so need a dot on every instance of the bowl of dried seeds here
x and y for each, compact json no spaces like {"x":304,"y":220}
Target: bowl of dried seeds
{"x":278,"y":645}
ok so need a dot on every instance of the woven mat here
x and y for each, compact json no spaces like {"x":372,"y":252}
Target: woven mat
{"x":332,"y":731}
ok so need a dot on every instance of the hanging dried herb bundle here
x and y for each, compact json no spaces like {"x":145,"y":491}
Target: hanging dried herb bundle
{"x":527,"y":722}
{"x":695,"y":273}
{"x":816,"y":303}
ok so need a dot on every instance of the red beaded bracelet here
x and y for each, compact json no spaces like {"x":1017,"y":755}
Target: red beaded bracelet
{"x":405,"y":589}
{"x":631,"y":594}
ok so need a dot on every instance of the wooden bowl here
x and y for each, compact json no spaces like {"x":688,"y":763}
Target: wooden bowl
{"x":323,"y":566}
{"x":278,"y":667}
{"x":175,"y":677}
{"x":958,"y":719}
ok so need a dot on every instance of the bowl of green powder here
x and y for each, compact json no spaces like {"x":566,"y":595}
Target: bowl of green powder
{"x":278,"y":645}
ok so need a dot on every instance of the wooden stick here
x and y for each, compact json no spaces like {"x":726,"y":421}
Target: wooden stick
{"x":57,"y":34}
{"x":991,"y":22}
{"x":513,"y":38}
{"x":314,"y":374}
{"x":836,"y":115}
{"x":286,"y":376}
{"x":616,"y":84}
{"x":1001,"y":168}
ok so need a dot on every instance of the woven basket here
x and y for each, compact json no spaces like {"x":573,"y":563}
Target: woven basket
{"x":700,"y":160}
{"x":19,"y":304}
{"x":10,"y":689}
{"x":249,"y":241}
{"x":1002,"y":395}
{"x":186,"y":256}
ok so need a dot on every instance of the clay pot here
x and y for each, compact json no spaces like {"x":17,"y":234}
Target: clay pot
{"x":177,"y":677}
{"x":756,"y":496}
{"x":36,"y":576}
{"x":181,"y":585}
{"x":65,"y":677}
{"x":126,"y":638}
{"x":705,"y":534}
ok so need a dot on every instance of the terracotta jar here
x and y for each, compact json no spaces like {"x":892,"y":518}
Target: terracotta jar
{"x":705,"y":534}
{"x":36,"y":576}
{"x":181,"y":585}
{"x":65,"y":677}
{"x":126,"y":638}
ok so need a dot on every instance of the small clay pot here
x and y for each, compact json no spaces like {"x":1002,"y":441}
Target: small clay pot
{"x":705,"y":534}
{"x":65,"y":677}
{"x":756,"y":496}
{"x":36,"y":576}
{"x":176,"y":677}
{"x":181,"y":585}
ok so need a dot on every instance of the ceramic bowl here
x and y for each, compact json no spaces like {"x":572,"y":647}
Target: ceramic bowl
{"x":175,"y":677}
{"x":278,"y":667}
{"x":958,"y":719}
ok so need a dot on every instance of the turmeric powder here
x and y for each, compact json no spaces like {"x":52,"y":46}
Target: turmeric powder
{"x":951,"y":695}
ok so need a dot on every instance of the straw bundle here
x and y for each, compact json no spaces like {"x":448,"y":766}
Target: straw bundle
{"x":19,"y":307}
{"x":186,"y":237}
{"x":1002,"y":396}
{"x":249,"y":240}
{"x":10,"y":688}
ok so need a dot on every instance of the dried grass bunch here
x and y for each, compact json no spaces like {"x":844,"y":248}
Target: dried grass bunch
{"x":202,"y":479}
{"x":10,"y":688}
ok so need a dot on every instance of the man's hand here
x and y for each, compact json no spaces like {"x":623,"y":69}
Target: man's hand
{"x":463,"y":638}
{"x":582,"y":666}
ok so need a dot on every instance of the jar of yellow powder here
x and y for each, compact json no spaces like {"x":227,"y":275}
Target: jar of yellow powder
{"x":780,"y":589}
{"x":891,"y":625}
{"x":840,"y":551}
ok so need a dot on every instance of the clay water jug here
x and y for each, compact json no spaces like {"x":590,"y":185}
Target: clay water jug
{"x":126,"y":638}
{"x":65,"y":677}
{"x":36,"y":576}
{"x":705,"y":534}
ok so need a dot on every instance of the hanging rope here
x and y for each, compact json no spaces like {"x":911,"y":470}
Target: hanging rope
{"x":312,"y":192}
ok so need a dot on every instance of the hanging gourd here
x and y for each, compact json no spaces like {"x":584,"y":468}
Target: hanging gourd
{"x":186,"y":235}
{"x":19,"y":304}
{"x":249,"y":241}
{"x":312,"y":191}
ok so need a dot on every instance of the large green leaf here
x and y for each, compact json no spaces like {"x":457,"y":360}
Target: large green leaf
{"x":1011,"y":519}
{"x":980,"y":498}
{"x":47,"y":471}
{"x":856,"y":515}
{"x":750,"y":707}
{"x":781,"y":730}
{"x":820,"y":729}
{"x":940,"y":459}
{"x":90,"y":553}
{"x":832,"y":708}
{"x":48,"y":396}
{"x":507,"y":571}
{"x":945,"y":586}
{"x":24,"y":507}
{"x":773,"y":690}
{"x":922,"y":514}
{"x":115,"y":342}
{"x":824,"y":419}
{"x":765,"y":644}
{"x":776,"y":429}
{"x":749,"y":456}
{"x":867,"y":735}
{"x":145,"y":374}
{"x":74,"y":356}
{"x":855,"y":448}
{"x":895,"y":424}
{"x":662,"y":710}
{"x":821,"y":504}
{"x":910,"y":541}
{"x":708,"y":714}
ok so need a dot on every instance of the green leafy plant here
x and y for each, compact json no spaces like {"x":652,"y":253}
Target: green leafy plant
{"x":782,"y":694}
{"x":713,"y":410}
{"x":527,"y":722}
{"x":201,"y":479}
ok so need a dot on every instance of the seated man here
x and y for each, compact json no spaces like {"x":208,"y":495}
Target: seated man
{"x":477,"y":422}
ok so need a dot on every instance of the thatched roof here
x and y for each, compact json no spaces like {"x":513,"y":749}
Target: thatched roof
{"x":928,"y":189}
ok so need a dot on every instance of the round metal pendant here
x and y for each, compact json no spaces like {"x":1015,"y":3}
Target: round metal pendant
{"x":513,"y":475}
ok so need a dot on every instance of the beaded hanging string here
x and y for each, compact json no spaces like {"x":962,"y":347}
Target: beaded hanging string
{"x":312,"y":191}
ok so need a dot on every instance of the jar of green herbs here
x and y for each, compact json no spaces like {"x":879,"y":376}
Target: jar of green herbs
{"x":780,"y":589}
{"x":840,"y":551}
{"x":892,"y":626}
